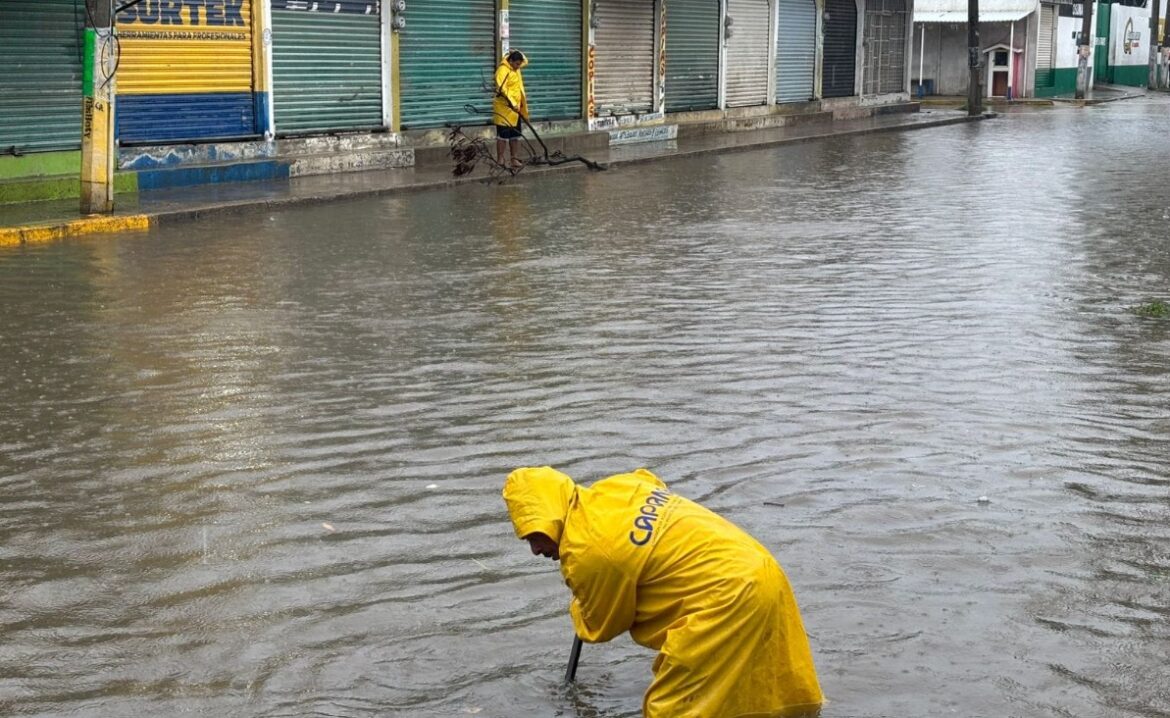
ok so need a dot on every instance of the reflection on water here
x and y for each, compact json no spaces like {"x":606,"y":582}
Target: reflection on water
{"x":251,"y":466}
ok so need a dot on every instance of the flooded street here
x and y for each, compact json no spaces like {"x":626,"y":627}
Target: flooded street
{"x":251,"y":465}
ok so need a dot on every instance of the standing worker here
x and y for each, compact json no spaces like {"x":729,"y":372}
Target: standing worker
{"x":683,"y":581}
{"x":510,"y":103}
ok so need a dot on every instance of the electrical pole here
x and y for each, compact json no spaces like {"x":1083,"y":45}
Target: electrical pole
{"x":1155,"y":50}
{"x":1084,"y":47}
{"x":974,"y":60}
{"x":97,"y":108}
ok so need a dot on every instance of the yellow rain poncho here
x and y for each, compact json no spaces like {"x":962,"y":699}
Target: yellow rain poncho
{"x":509,"y":84}
{"x":683,"y":581}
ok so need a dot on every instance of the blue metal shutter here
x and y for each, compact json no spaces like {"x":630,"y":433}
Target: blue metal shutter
{"x":447,"y":60}
{"x":40,"y":84}
{"x":549,"y":33}
{"x":692,"y":55}
{"x":796,"y":51}
{"x":326,"y":65}
{"x":747,"y":52}
{"x":840,"y":49}
{"x":624,"y":80}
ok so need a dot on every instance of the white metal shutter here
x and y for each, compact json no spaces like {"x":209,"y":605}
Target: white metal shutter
{"x":747,"y":52}
{"x":624,"y":74}
{"x":796,"y":50}
{"x":1047,"y":30}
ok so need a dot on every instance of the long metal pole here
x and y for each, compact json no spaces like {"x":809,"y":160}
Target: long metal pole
{"x":574,"y":658}
{"x":1084,"y":48}
{"x":974,"y":60}
{"x":1155,"y":49}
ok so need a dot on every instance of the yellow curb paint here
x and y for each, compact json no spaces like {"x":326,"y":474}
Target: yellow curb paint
{"x":32,"y":234}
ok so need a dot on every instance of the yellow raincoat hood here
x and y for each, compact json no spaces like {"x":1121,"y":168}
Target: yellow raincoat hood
{"x":538,"y":500}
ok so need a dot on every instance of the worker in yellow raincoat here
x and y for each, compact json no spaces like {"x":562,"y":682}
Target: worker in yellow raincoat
{"x":683,"y":581}
{"x":510,"y":103}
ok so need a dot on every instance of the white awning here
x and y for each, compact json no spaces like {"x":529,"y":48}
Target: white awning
{"x":955,"y":11}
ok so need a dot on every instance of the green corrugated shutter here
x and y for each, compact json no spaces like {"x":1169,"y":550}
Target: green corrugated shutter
{"x":326,"y":65}
{"x":447,"y":60}
{"x":549,"y":33}
{"x":40,"y":79}
{"x":692,"y":55}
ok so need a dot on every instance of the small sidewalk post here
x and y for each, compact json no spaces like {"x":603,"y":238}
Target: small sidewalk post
{"x":97,"y":108}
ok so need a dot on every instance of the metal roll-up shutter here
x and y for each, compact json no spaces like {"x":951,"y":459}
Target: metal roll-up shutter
{"x":326,"y":65}
{"x":692,"y":55}
{"x":839,"y":56}
{"x":447,"y":59}
{"x":548,"y":32}
{"x":185,"y":71}
{"x":747,"y":52}
{"x":796,"y":50}
{"x":40,"y":84}
{"x":885,"y":47}
{"x":624,"y":57}
{"x":1045,"y":74}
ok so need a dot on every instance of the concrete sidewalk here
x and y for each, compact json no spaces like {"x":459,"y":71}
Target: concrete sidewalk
{"x":53,"y":220}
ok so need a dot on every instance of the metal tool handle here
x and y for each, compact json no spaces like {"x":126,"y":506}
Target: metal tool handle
{"x":574,"y":657}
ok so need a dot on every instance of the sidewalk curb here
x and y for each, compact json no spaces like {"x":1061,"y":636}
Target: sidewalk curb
{"x":38,"y":233}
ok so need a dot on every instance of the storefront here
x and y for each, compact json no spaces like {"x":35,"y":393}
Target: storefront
{"x":185,"y":71}
{"x":747,"y":27}
{"x":549,"y":33}
{"x":692,"y":55}
{"x":886,"y":28}
{"x":796,"y":50}
{"x":447,"y":61}
{"x":40,"y":48}
{"x":327,"y":65}
{"x":624,"y":57}
{"x":839,"y":64}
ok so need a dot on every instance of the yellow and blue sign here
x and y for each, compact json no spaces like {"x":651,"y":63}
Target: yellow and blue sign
{"x":186,"y":71}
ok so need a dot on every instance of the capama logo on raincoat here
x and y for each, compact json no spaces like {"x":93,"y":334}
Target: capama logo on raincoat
{"x":647,"y":516}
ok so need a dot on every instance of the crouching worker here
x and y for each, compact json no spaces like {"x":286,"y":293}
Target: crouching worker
{"x":683,"y":581}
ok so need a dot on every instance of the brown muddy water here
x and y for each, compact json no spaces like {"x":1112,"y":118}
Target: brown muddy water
{"x":250,"y":466}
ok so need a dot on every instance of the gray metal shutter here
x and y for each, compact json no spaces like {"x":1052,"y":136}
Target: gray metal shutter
{"x":549,"y":33}
{"x":1045,"y":75}
{"x":326,"y":65}
{"x":692,"y":55}
{"x":624,"y":74}
{"x":447,"y":60}
{"x":747,"y":52}
{"x":840,"y":49}
{"x":40,"y":84}
{"x":796,"y":51}
{"x":885,"y":46}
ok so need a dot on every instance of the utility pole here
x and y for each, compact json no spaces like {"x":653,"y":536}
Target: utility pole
{"x":974,"y":60}
{"x":1155,"y":50}
{"x":1084,"y":48}
{"x":97,"y":108}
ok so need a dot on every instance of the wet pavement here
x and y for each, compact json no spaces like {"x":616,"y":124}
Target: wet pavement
{"x":251,"y":464}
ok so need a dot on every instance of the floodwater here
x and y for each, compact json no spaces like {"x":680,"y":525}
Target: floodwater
{"x":251,"y":466}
